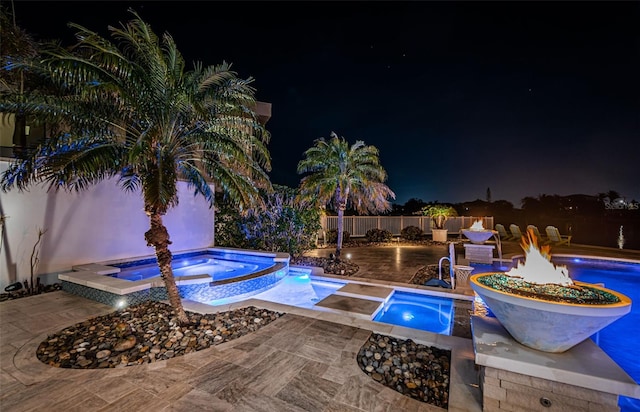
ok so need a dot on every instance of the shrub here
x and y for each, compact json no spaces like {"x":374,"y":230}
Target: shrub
{"x":229,"y":229}
{"x":284,"y":225}
{"x":439,"y":214}
{"x":332,"y":236}
{"x":378,"y":235}
{"x":411,"y":233}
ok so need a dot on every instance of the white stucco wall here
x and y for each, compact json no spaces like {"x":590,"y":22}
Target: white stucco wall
{"x":102,"y":223}
{"x":7,"y":125}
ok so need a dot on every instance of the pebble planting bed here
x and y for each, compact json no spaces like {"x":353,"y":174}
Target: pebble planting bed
{"x":145,"y":333}
{"x":418,"y":371}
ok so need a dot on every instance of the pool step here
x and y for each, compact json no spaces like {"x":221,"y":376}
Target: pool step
{"x":355,"y":299}
{"x":350,"y":306}
{"x":370,"y":292}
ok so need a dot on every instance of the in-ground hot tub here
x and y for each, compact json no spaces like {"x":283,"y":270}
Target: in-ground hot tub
{"x":202,"y":275}
{"x":208,"y":263}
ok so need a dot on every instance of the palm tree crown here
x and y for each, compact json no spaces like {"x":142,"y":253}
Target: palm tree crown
{"x":345,"y":176}
{"x":131,"y":110}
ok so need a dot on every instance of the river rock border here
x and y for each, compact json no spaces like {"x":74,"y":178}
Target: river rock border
{"x":415,"y":370}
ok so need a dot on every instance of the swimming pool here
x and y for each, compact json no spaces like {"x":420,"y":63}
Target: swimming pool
{"x":403,"y":308}
{"x":418,"y":311}
{"x":620,"y":339}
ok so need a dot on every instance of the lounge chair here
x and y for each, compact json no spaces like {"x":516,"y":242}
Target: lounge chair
{"x":516,"y":233}
{"x":502,"y":232}
{"x":556,"y":238}
{"x":536,"y":232}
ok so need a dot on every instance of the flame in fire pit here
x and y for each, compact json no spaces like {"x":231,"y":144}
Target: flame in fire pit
{"x":537,"y":267}
{"x":477,"y":225}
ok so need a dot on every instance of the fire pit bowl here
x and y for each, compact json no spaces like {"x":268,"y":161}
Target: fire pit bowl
{"x":544,"y":317}
{"x":477,"y":237}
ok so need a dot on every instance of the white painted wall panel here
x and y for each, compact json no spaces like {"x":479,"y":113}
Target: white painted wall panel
{"x":102,"y":223}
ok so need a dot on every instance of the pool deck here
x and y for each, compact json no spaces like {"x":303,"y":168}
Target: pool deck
{"x":306,"y":360}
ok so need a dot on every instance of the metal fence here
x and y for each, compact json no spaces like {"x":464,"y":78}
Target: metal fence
{"x":357,"y":226}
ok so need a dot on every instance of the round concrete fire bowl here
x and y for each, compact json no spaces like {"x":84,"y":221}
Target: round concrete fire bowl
{"x":545,"y":325}
{"x":477,"y":237}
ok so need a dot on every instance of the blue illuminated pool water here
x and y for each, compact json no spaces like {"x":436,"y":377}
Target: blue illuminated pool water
{"x":621,"y":339}
{"x":295,"y":289}
{"x":202,"y":264}
{"x":411,"y":310}
{"x":424,"y":312}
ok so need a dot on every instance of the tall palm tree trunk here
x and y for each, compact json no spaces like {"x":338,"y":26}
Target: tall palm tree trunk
{"x":340,"y":230}
{"x":158,"y":237}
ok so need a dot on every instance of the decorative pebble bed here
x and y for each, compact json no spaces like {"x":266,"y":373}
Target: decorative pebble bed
{"x":145,"y":333}
{"x":418,"y":371}
{"x":331,"y":266}
{"x":428,"y":272}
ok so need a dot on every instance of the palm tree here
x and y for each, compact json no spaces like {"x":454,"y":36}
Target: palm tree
{"x":608,"y":197}
{"x":345,"y":176}
{"x":130,"y":110}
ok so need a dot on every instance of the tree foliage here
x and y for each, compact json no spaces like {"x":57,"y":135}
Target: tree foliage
{"x":340,"y":176}
{"x":439,"y":214}
{"x":284,"y":224}
{"x":129,"y":109}
{"x":16,"y":44}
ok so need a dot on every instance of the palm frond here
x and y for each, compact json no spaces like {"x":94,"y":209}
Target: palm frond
{"x":129,"y":98}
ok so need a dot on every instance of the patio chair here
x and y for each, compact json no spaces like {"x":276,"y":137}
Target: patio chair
{"x":556,"y":238}
{"x":502,"y":232}
{"x":536,"y":232}
{"x":516,"y":233}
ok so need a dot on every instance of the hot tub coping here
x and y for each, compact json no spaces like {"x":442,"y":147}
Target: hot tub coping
{"x":123,"y":287}
{"x":96,"y":275}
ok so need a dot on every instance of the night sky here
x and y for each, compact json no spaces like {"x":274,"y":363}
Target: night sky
{"x":524,"y":98}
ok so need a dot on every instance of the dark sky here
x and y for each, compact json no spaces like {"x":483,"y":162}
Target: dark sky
{"x":524,"y":98}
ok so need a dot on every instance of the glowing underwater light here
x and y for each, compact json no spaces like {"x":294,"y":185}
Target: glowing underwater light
{"x":407,"y":316}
